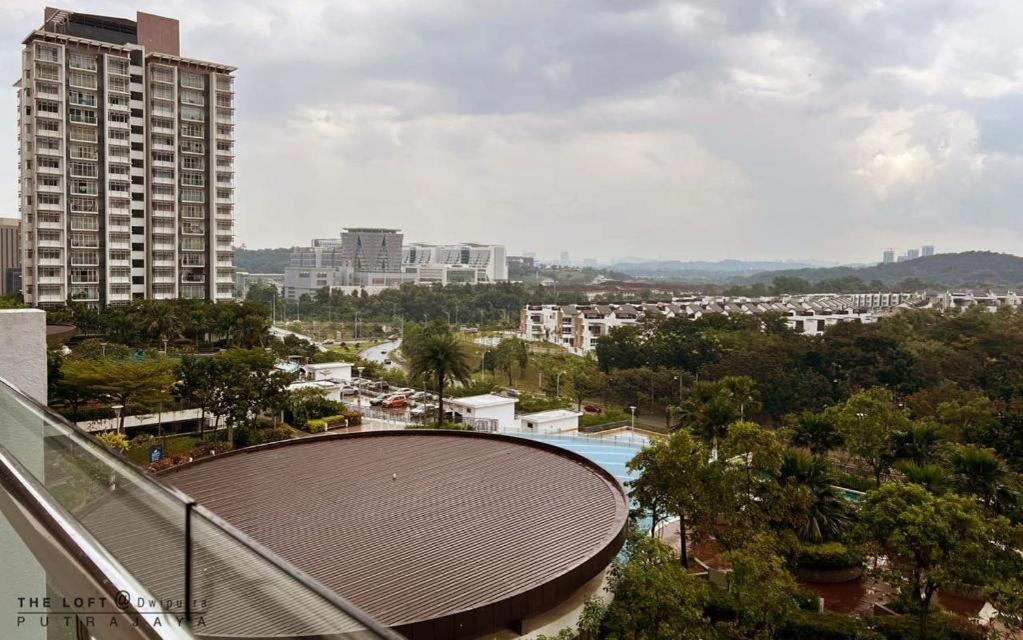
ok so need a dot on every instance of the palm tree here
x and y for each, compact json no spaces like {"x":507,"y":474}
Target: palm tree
{"x":829,"y":513}
{"x":440,"y":354}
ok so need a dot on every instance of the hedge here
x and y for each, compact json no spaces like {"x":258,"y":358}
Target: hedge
{"x":826,"y":626}
{"x":354,"y":419}
{"x":828,"y":556}
{"x":940,"y":626}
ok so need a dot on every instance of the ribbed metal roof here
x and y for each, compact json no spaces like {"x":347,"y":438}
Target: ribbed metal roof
{"x":436,"y":534}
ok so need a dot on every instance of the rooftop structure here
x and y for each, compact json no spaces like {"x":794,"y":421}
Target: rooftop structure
{"x":435,"y":534}
{"x":488,"y":261}
{"x":127,"y":164}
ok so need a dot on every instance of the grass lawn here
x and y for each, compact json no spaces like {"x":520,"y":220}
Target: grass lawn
{"x":175,"y":445}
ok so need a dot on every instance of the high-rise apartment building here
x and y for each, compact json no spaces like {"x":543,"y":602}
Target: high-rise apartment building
{"x":10,"y":254}
{"x":927,"y":250}
{"x":127,"y":163}
{"x":889,"y":256}
{"x":912,"y":254}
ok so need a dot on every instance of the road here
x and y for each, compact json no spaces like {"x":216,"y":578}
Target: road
{"x":277,"y":331}
{"x":382,"y":352}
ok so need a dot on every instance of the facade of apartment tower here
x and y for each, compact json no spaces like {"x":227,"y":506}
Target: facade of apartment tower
{"x":127,"y":164}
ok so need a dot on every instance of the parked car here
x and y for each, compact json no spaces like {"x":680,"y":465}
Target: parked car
{"x":394,"y":401}
{"x":376,"y":401}
{"x":408,"y":391}
{"x":348,"y":390}
{"x":387,"y":361}
{"x":422,"y":396}
{"x":381,"y":385}
{"x":592,"y":408}
{"x":423,"y":410}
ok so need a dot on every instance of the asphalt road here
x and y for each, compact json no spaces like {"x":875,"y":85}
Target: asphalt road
{"x":381,"y":352}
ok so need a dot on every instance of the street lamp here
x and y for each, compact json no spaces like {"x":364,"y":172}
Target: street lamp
{"x":117,"y":415}
{"x":632,"y":428}
{"x":358,"y":388}
{"x":557,"y":385}
{"x":679,"y":378}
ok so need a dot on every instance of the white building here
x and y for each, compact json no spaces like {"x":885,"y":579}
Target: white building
{"x":486,"y":412}
{"x":126,"y":161}
{"x":489,"y":261}
{"x":555,"y":420}
{"x":329,"y":371}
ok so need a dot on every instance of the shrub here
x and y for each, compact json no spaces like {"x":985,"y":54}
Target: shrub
{"x":827,"y":556}
{"x":611,"y":414}
{"x":804,"y":625}
{"x":113,"y":441}
{"x":853,"y":481}
{"x":450,"y":426}
{"x":532,"y":403}
{"x":940,"y":626}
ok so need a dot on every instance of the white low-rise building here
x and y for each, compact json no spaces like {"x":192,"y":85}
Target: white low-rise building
{"x":555,"y":420}
{"x":487,"y":412}
{"x":341,"y":371}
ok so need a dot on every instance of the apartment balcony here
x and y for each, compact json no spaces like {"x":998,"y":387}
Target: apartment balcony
{"x":50,"y":224}
{"x":119,"y":279}
{"x":50,"y":262}
{"x":113,"y":124}
{"x":53,"y":171}
{"x":118,"y":211}
{"x":45,"y":188}
{"x":162,"y":180}
{"x":49,"y":206}
{"x":225,"y":279}
{"x":123,"y":108}
{"x":50,"y":244}
{"x":193,"y":278}
{"x":162,"y":111}
{"x":50,"y":297}
{"x":58,"y":280}
{"x":163,"y":246}
{"x":119,"y":297}
{"x":162,"y":129}
{"x":162,"y":163}
{"x":44,"y":151}
{"x":159,"y":146}
{"x":164,"y":279}
{"x":163,"y":197}
{"x":119,"y":228}
{"x":117,"y":262}
{"x":119,"y":244}
{"x":163,"y":262}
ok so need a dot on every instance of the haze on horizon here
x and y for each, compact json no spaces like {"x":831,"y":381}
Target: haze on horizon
{"x":669,"y":130}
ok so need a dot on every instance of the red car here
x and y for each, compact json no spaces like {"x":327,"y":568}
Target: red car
{"x":395,"y":402}
{"x":592,"y":408}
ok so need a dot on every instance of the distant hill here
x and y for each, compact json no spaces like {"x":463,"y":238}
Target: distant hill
{"x":970,"y":269}
{"x":261,"y":260}
{"x":701,"y":270}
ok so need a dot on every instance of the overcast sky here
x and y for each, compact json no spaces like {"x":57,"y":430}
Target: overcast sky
{"x":689,"y":130}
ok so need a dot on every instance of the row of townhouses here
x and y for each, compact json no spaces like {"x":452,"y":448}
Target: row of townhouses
{"x":579,"y":327}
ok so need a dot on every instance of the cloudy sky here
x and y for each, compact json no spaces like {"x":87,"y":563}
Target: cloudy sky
{"x":809,"y":129}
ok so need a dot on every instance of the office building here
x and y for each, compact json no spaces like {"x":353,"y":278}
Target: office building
{"x":489,"y":262}
{"x":889,"y":256}
{"x":912,"y":254}
{"x":927,"y":250}
{"x":127,"y":161}
{"x":10,"y":255}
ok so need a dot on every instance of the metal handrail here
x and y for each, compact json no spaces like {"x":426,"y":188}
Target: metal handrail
{"x":129,"y":469}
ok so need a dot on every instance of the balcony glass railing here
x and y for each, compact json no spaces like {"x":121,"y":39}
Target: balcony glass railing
{"x":85,"y":522}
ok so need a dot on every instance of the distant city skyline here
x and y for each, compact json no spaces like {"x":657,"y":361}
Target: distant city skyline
{"x":667,"y":130}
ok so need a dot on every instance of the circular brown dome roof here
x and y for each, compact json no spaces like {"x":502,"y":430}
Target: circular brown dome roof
{"x":437,"y":534}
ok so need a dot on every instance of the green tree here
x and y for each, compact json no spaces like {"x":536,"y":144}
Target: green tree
{"x":511,"y":353}
{"x":129,"y":383}
{"x":981,"y":472}
{"x":202,"y":381}
{"x":821,"y":513}
{"x":672,"y":480}
{"x":710,"y":407}
{"x":930,"y":541}
{"x":441,"y":355}
{"x":253,"y":387}
{"x":868,"y":422}
{"x":762,"y":589}
{"x":655,"y":598}
{"x":817,"y":432}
